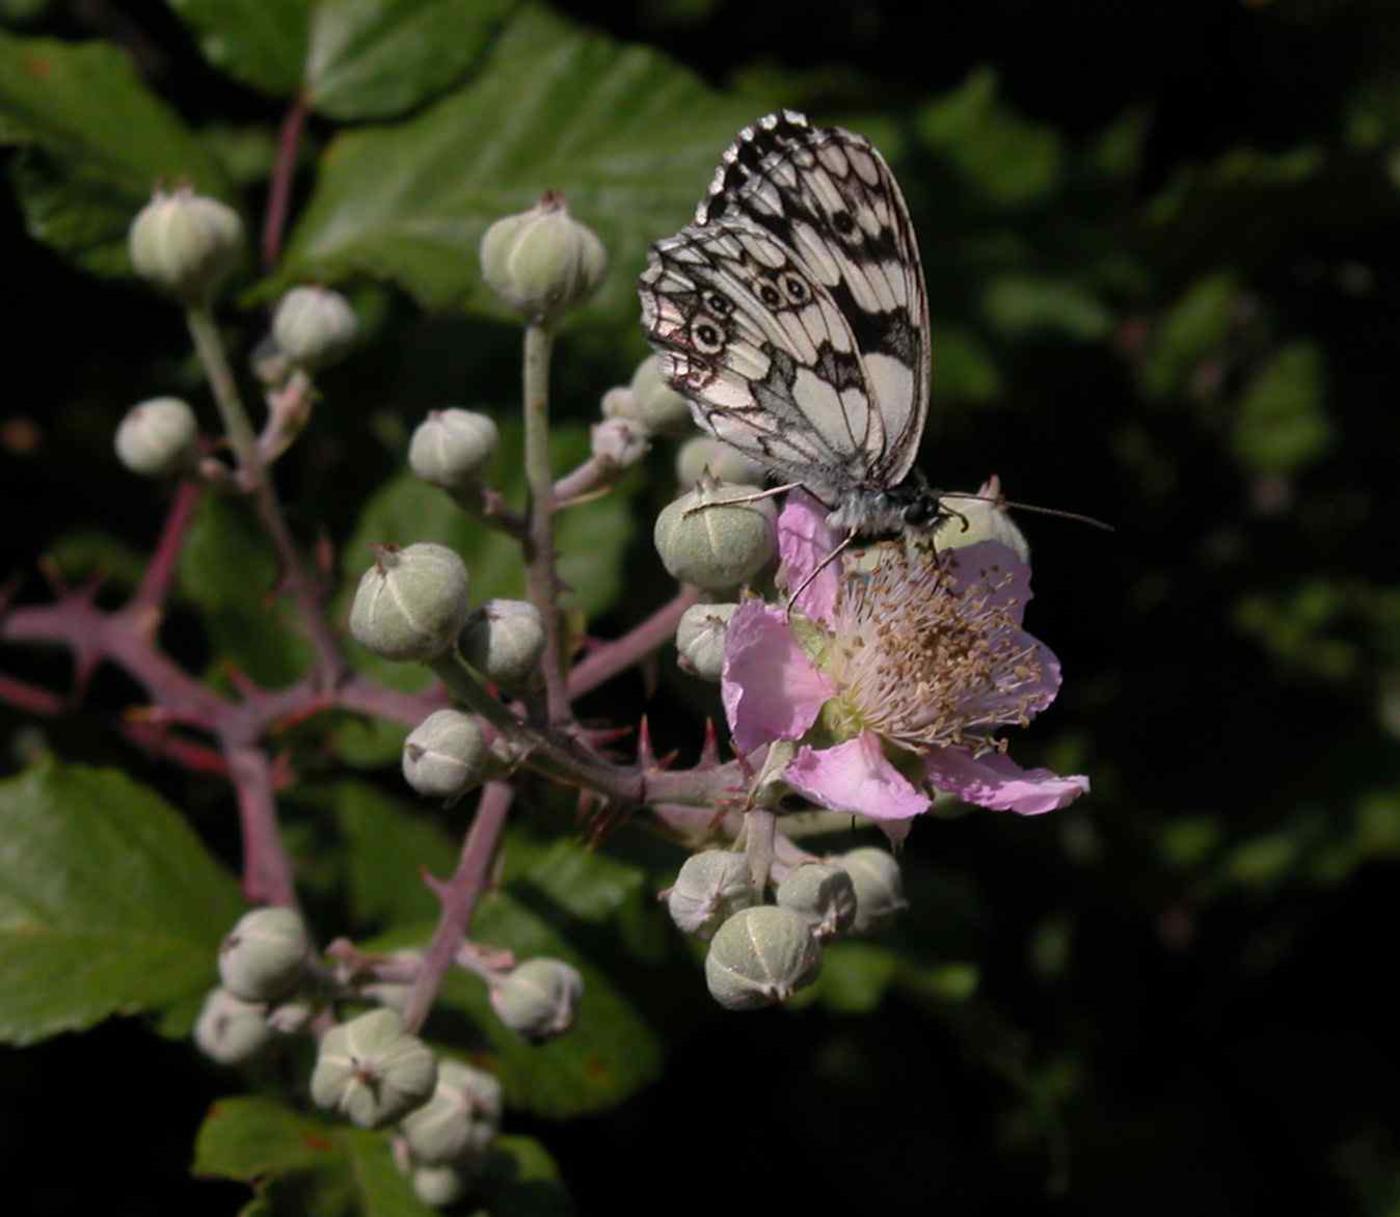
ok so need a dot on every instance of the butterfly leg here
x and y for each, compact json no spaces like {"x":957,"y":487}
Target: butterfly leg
{"x":744,"y":498}
{"x":820,"y":566}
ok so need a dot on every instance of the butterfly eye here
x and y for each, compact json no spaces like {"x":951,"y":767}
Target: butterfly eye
{"x":706,"y":336}
{"x":770,"y":295}
{"x":796,"y":289}
{"x":718,"y":304}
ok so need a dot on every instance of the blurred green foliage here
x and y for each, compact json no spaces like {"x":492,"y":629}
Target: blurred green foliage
{"x":1163,"y":292}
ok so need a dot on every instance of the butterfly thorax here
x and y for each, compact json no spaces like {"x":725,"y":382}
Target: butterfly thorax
{"x":879,"y":512}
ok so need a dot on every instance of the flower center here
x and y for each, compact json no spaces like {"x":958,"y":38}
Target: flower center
{"x":928,"y":651}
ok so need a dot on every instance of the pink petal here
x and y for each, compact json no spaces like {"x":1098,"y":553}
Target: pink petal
{"x":856,"y":776}
{"x":770,"y":689}
{"x":996,"y":781}
{"x":804,"y":541}
{"x":1000,"y":568}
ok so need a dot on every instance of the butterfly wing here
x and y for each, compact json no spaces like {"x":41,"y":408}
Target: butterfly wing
{"x":763,"y":353}
{"x":828,"y":202}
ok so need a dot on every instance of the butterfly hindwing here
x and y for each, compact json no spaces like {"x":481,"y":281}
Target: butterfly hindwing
{"x":765,"y":356}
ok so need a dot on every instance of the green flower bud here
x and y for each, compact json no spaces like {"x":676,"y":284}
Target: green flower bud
{"x":980,"y":520}
{"x":314,"y":326}
{"x":538,"y":999}
{"x":411,"y":603}
{"x":719,"y":547}
{"x":657,"y":406}
{"x":461,"y":1117}
{"x":185,"y":244}
{"x":824,"y":894}
{"x":700,"y":639}
{"x":438,"y":1186}
{"x":452,"y":448}
{"x":503,"y":640}
{"x":371,"y":1071}
{"x":543,"y":262}
{"x":270,"y":363}
{"x":445,"y":755}
{"x":229,"y":1030}
{"x":761,"y":956}
{"x":158,"y":437}
{"x":264,"y":955}
{"x":879,"y":889}
{"x":724,"y":461}
{"x":619,"y":402}
{"x":621,"y":441}
{"x":712,"y":886}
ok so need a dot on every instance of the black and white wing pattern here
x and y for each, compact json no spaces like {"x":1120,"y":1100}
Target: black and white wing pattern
{"x":792,"y":312}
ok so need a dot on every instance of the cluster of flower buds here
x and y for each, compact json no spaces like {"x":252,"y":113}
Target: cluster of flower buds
{"x":442,"y":1145}
{"x":264,"y":973}
{"x":760,"y":954}
{"x":188,"y":245}
{"x":369,"y":1069}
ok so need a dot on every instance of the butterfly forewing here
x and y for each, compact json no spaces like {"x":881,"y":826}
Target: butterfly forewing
{"x":792,"y":312}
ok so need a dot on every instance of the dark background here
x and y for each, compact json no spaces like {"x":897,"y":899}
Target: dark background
{"x":1181,"y":1004}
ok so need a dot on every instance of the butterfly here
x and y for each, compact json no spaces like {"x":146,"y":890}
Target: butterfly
{"x":792,"y":315}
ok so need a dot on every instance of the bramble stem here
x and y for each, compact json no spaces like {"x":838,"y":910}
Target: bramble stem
{"x":253,"y":476}
{"x":558,"y":758}
{"x":761,"y":825}
{"x":209,"y":346}
{"x":267,"y":870}
{"x":459,"y":899}
{"x":160,"y":571}
{"x":541,"y":577}
{"x":279,"y":191}
{"x":607,"y":660}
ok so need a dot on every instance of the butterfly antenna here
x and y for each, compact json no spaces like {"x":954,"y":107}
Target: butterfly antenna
{"x":998,"y":501}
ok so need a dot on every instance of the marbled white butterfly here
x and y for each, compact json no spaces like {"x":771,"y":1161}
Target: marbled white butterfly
{"x":792,"y":314}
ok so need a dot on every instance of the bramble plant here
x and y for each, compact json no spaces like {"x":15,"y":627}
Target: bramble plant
{"x":419,"y":765}
{"x":925,"y":652}
{"x":856,"y":685}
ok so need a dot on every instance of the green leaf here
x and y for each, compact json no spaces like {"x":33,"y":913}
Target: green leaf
{"x":629,"y":137}
{"x":228,"y":569}
{"x":1019,"y":304}
{"x":248,"y":1137}
{"x":80,"y":554}
{"x":259,"y":42}
{"x":591,"y":539}
{"x":109,"y":904}
{"x":387,"y":843}
{"x":64,"y":211}
{"x":1193,"y":329}
{"x":97,"y":142}
{"x":855,"y":977}
{"x":963,"y":370}
{"x":258,"y":1140}
{"x":1282,"y":423}
{"x":1005,"y":158}
{"x":522,"y":1180}
{"x":376,"y":59}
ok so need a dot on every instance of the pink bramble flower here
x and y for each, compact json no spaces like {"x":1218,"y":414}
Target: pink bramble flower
{"x":894,"y":677}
